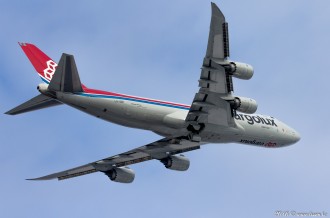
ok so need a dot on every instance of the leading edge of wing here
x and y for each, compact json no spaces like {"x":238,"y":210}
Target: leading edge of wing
{"x":156,"y":150}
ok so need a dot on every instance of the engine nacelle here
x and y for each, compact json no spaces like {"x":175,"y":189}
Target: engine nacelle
{"x":240,"y":70}
{"x":179,"y":163}
{"x":43,"y":88}
{"x":121,"y":174}
{"x":244,"y":105}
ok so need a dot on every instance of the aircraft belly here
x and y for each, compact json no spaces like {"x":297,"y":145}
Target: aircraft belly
{"x":220,"y":134}
{"x":167,"y":121}
{"x":123,"y":112}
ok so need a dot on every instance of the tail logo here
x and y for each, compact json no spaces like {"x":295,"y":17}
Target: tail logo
{"x":50,"y":70}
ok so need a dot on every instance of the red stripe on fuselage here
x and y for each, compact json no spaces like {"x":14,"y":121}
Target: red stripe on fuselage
{"x":100,"y":92}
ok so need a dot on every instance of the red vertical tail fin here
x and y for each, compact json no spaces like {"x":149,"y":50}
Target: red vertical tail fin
{"x":43,"y":64}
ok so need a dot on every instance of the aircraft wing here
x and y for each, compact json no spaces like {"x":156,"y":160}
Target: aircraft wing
{"x":159,"y":150}
{"x":211,"y":105}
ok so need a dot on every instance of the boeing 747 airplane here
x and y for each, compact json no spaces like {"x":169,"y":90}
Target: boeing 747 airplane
{"x":215,"y":115}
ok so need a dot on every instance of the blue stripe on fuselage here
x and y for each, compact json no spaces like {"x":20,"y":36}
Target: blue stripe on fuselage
{"x":130,"y":99}
{"x":44,"y":80}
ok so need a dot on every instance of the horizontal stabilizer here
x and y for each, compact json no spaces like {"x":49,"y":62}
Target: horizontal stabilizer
{"x":66,"y":77}
{"x":36,"y":103}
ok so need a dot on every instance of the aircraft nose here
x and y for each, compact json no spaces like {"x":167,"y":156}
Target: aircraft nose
{"x":295,"y":137}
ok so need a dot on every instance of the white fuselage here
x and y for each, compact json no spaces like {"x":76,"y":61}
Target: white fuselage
{"x":169,"y":121}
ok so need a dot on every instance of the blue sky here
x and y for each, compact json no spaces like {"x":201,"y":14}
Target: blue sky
{"x":155,"y":49}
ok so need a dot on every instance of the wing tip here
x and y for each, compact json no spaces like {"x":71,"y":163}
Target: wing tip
{"x":11,"y":112}
{"x":39,"y":179}
{"x":214,"y":5}
{"x":32,"y":179}
{"x":35,"y":179}
{"x":216,"y":10}
{"x":43,"y":178}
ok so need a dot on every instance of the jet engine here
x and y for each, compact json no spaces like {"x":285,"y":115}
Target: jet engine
{"x":244,"y":105}
{"x":179,"y":163}
{"x":239,"y":70}
{"x":121,"y":174}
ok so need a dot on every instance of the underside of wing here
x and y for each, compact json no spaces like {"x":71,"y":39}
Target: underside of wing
{"x":210,"y":104}
{"x":215,"y":104}
{"x":116,"y":169}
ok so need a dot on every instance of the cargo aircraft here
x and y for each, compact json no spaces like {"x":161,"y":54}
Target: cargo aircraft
{"x":215,"y":115}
